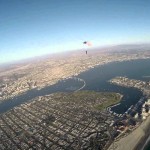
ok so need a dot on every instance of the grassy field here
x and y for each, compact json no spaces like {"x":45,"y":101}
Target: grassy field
{"x":92,"y":99}
{"x":112,"y":98}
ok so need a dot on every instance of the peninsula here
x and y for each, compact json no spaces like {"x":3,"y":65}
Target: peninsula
{"x":76,"y":120}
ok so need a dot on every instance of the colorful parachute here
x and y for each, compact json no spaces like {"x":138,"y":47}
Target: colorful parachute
{"x":87,"y":43}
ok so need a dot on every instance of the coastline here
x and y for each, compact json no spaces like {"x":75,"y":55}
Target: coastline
{"x":72,"y":75}
{"x":136,"y":140}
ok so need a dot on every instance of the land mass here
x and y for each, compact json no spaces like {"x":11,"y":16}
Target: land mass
{"x":38,"y":74}
{"x":60,"y":121}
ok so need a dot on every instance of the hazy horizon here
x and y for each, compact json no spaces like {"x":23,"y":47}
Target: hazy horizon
{"x":107,"y":48}
{"x":37,"y":27}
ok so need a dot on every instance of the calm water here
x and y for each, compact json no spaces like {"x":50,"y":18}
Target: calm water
{"x":96,"y":79}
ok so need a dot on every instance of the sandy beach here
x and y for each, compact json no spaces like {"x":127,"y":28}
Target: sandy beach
{"x":135,"y":140}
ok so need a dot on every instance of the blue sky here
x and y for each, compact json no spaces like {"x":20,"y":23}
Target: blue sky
{"x":31,"y":28}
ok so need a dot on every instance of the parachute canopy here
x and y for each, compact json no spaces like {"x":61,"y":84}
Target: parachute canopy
{"x":87,"y":43}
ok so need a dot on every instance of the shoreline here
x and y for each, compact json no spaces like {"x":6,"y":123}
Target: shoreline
{"x":72,"y":75}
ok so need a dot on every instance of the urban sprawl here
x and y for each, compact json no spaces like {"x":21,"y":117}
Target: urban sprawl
{"x":72,"y":121}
